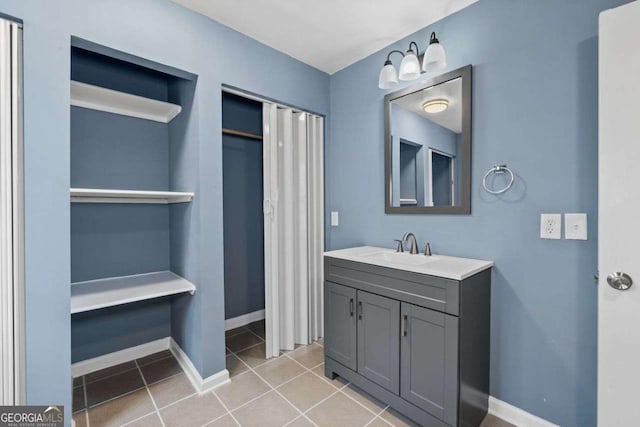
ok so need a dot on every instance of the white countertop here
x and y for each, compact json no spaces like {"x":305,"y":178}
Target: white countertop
{"x":435,"y":265}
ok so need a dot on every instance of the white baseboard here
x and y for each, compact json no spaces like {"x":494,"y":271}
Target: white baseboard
{"x":515,"y":415}
{"x":201,"y":385}
{"x":84,"y":367}
{"x":245,"y":319}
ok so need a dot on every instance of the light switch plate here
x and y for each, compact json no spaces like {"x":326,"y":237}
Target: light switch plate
{"x":334,"y":219}
{"x":550,"y":226}
{"x":575,"y":226}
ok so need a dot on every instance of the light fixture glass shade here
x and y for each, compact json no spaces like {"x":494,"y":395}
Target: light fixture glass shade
{"x":409,"y":67}
{"x":435,"y":106}
{"x":435,"y":59}
{"x":388,"y":76}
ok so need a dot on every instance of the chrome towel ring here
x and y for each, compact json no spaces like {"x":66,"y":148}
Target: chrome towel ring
{"x":498,"y":170}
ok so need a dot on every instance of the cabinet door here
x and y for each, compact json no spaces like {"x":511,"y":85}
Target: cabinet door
{"x":429,"y":365}
{"x":379,"y":340}
{"x":340,"y":324}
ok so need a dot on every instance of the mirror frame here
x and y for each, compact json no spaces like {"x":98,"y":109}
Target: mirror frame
{"x":465,"y":158}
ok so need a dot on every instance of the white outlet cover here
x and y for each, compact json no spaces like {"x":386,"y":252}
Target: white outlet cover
{"x":575,"y":226}
{"x":550,"y":226}
{"x":335,"y":219}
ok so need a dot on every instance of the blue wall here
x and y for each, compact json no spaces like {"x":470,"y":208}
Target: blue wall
{"x":243,"y":218}
{"x":166,"y":33}
{"x":535,"y":109}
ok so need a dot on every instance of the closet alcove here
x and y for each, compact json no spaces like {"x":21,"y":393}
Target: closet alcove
{"x":132,"y":190}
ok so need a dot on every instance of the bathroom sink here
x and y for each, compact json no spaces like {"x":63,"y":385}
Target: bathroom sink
{"x":439,"y":265}
{"x":402,"y":258}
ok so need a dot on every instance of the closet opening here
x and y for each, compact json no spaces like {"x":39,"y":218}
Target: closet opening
{"x":134,"y":264}
{"x":273,"y":226}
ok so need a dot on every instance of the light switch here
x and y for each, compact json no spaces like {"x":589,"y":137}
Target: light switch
{"x":334,"y":219}
{"x":575,"y":226}
{"x":550,"y":225}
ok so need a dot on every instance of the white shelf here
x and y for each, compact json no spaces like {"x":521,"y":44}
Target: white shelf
{"x":98,"y":195}
{"x":111,"y":101}
{"x":96,"y":294}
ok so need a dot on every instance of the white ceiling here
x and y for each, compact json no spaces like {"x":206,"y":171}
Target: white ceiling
{"x":327,"y":34}
{"x":451,"y":118}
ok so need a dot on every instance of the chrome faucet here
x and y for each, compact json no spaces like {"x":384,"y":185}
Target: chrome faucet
{"x":400,"y":245}
{"x":414,"y":242}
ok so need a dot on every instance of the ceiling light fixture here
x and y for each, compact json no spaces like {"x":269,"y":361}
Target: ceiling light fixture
{"x":435,"y":106}
{"x":434,"y":59}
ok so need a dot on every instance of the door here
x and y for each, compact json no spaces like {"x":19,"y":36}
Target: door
{"x":378,"y":340}
{"x":441,"y":179}
{"x":429,"y":365}
{"x":618,"y":225}
{"x":340,"y":324}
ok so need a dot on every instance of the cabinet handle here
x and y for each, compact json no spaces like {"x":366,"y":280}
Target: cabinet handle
{"x":405,"y":325}
{"x":360,"y":310}
{"x":351,"y":308}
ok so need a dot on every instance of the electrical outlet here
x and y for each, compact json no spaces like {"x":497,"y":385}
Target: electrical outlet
{"x":550,"y":225}
{"x":575,"y":226}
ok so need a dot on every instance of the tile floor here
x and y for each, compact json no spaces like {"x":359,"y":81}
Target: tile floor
{"x":290,"y":390}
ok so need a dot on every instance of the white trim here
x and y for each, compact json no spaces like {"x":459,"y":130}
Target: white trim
{"x":202,"y":385}
{"x":128,"y":354}
{"x":245,"y":319}
{"x":515,"y":415}
{"x":84,"y":367}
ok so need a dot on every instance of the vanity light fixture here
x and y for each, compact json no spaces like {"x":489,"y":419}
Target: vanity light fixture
{"x":435,"y":106}
{"x":434,"y":59}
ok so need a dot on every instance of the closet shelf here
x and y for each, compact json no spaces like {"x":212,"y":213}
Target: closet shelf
{"x":101,"y":293}
{"x":242,"y":134}
{"x":97,"y":195}
{"x":111,"y":101}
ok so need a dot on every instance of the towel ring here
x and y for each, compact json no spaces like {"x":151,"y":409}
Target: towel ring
{"x":498,"y":169}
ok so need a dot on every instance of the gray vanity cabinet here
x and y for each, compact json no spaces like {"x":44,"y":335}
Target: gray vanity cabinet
{"x":429,"y":360}
{"x":340,"y":324}
{"x":418,"y":343}
{"x":378,"y":326}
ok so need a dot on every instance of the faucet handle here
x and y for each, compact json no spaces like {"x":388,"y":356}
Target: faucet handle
{"x":427,"y":249}
{"x":400,"y":245}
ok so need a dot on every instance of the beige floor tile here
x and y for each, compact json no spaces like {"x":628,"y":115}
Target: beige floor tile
{"x":107,"y":372}
{"x":254,"y":356}
{"x":339,"y":382}
{"x":78,"y":399}
{"x":80,"y":418}
{"x":192,"y":411}
{"x":320,"y":341}
{"x":378,"y":422}
{"x":242,"y":341}
{"x":241,"y":389}
{"x":339,"y":410}
{"x":306,"y":390}
{"x":396,"y":419}
{"x":154,"y":357}
{"x":226,"y":421}
{"x":300,"y":422}
{"x":309,"y":356}
{"x":279,"y":370}
{"x":235,"y":366}
{"x":493,"y":421}
{"x":259,"y":325}
{"x":113,"y":386}
{"x":170,"y":390}
{"x":160,"y":369}
{"x":270,"y":410}
{"x":364,"y":398}
{"x":151,"y":420}
{"x":77,"y":381}
{"x":121,"y":410}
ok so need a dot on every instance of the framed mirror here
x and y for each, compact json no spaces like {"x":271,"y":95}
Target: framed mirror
{"x":428,"y":146}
